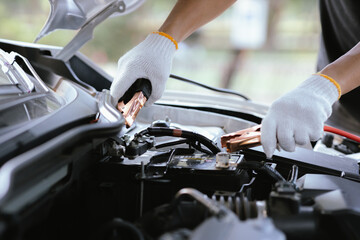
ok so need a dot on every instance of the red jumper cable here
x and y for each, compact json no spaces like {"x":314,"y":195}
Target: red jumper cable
{"x":342,"y":133}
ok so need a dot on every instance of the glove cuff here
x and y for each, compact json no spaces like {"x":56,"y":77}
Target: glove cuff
{"x":332,"y":81}
{"x":168,"y":37}
{"x":160,"y":45}
{"x":322,"y":86}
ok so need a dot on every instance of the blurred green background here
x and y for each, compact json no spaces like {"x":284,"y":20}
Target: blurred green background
{"x":286,"y":58}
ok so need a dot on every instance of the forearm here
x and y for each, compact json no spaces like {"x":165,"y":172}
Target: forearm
{"x":189,"y":15}
{"x":346,"y":70}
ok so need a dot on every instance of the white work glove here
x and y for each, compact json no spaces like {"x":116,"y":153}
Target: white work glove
{"x":298,"y":116}
{"x":151,"y":59}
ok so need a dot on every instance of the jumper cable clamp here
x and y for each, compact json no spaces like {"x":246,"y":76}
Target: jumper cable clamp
{"x":246,"y":138}
{"x":134,"y":99}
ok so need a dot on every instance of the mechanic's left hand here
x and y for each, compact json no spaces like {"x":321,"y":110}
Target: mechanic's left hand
{"x":298,"y":117}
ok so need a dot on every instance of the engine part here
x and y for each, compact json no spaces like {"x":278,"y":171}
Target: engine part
{"x":222,"y":160}
{"x":176,"y":235}
{"x":213,"y":207}
{"x":348,"y":146}
{"x":114,"y":228}
{"x":232,"y":228}
{"x":162,"y":123}
{"x":241,"y":205}
{"x":262,"y":167}
{"x":142,"y":176}
{"x":284,"y":200}
{"x":225,"y":225}
{"x":159,"y":132}
{"x":308,"y":161}
{"x":318,"y":184}
{"x":139,"y":145}
{"x":182,"y":162}
{"x":114,"y":149}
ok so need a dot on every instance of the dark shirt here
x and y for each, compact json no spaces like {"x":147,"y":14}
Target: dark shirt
{"x":340,"y":23}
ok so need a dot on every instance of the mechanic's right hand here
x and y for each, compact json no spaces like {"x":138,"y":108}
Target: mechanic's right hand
{"x":151,"y":59}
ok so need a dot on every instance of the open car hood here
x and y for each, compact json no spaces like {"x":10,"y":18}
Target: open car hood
{"x":82,"y":15}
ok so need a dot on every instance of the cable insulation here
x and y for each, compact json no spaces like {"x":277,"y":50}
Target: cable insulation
{"x":221,"y":90}
{"x":342,"y":133}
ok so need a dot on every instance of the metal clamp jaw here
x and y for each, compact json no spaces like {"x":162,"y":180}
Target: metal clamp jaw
{"x":134,"y":99}
{"x":246,"y":138}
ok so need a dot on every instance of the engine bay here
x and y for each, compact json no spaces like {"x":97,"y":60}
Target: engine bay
{"x":301,"y":200}
{"x":165,"y":177}
{"x":151,"y":184}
